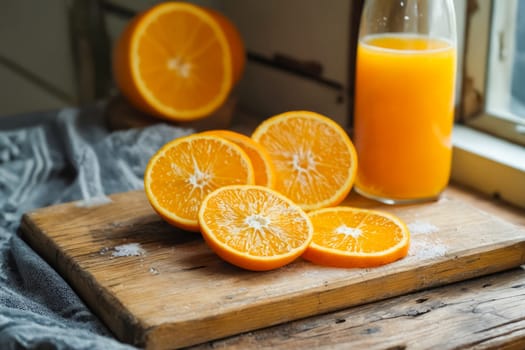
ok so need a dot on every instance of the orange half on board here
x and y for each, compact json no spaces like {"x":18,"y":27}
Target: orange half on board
{"x":315,"y":161}
{"x":178,"y":61}
{"x":254,"y":227}
{"x":352,"y":237}
{"x":185,"y":170}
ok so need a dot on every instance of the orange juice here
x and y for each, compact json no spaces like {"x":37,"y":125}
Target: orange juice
{"x":404,"y":116}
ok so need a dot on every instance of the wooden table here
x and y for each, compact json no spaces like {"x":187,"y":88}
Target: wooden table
{"x":482,"y":313}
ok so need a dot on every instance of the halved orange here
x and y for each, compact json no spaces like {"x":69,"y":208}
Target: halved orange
{"x":315,"y":161}
{"x":352,"y":237}
{"x":185,"y":170}
{"x":178,"y":61}
{"x":254,"y":227}
{"x":261,"y":161}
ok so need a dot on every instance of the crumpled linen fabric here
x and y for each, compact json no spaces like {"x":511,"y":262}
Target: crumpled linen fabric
{"x":70,"y":156}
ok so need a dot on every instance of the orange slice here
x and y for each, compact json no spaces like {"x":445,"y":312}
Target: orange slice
{"x":351,"y":237}
{"x":261,"y":161}
{"x":254,"y":227}
{"x":178,"y":61}
{"x":185,"y":170}
{"x":315,"y":161}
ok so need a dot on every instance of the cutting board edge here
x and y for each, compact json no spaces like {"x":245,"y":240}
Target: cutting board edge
{"x":182,"y":334}
{"x":124,"y":325}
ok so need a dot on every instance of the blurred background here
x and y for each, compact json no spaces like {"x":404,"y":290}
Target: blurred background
{"x":300,"y":56}
{"x":57,"y":53}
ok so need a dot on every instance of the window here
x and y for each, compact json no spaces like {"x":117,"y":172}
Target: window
{"x":517,"y":105}
{"x":489,"y":152}
{"x":494,"y":90}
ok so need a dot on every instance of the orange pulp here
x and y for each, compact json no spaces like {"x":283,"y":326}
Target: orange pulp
{"x":404,"y":116}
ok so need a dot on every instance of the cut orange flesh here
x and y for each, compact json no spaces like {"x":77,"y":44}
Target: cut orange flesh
{"x":261,"y":161}
{"x":254,"y":227}
{"x":178,"y":61}
{"x":351,"y":237}
{"x":315,"y":161}
{"x":185,"y":170}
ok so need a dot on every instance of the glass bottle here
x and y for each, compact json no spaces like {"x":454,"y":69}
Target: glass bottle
{"x":404,"y":103}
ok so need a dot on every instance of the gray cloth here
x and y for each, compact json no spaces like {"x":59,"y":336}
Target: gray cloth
{"x":69,"y":156}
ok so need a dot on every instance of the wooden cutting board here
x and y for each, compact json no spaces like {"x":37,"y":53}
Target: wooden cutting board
{"x":172,"y":290}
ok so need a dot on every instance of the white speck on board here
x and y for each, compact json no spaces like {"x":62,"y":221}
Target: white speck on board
{"x":130,"y":249}
{"x":424,"y":249}
{"x":421,"y":227}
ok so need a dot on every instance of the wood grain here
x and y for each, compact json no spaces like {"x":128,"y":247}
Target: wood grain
{"x":178,"y":293}
{"x":485,"y":313}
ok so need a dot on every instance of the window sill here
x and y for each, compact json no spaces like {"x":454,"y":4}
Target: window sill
{"x":489,"y":164}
